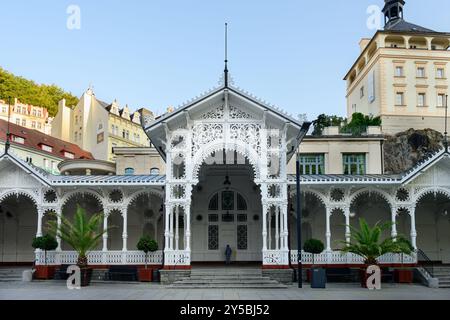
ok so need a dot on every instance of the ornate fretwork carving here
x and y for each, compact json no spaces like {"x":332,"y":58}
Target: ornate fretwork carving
{"x":214,"y":114}
{"x":236,"y":113}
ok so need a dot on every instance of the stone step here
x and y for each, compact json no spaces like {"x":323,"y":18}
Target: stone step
{"x":229,"y":286}
{"x":209,"y":277}
{"x":230,"y":281}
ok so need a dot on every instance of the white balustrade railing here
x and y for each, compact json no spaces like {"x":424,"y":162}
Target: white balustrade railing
{"x":100,"y":257}
{"x":275,"y":257}
{"x":337,"y":257}
{"x":177,"y":258}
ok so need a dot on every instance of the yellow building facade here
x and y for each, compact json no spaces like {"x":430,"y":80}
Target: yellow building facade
{"x":401,"y":75}
{"x":99,"y":127}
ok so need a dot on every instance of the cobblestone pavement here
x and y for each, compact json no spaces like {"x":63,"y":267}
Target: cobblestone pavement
{"x":119,"y":291}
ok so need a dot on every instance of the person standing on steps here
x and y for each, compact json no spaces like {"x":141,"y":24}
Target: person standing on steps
{"x":228,"y":253}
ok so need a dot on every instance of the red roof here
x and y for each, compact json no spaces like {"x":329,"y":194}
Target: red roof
{"x":35,"y":139}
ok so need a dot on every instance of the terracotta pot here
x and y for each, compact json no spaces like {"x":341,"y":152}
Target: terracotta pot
{"x":45,"y":272}
{"x":363,"y":276}
{"x":145,"y":275}
{"x":403,"y":275}
{"x":86,"y":275}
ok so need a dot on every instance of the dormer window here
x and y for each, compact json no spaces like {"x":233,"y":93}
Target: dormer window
{"x":18,"y":139}
{"x":46,"y":148}
{"x":69,"y":155}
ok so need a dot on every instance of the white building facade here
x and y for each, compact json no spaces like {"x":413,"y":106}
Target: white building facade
{"x":226,"y":183}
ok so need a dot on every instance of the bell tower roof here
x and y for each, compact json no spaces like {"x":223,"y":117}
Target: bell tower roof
{"x":394,"y":18}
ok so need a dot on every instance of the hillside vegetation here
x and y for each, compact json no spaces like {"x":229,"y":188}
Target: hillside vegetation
{"x":27,"y":91}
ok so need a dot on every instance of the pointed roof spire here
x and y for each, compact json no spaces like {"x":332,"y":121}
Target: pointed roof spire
{"x":226,"y":56}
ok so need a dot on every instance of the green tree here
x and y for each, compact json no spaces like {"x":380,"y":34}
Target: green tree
{"x":366,"y":242}
{"x":46,"y":243}
{"x":324,"y":121}
{"x":27,"y":91}
{"x":147,"y":245}
{"x":83,"y":234}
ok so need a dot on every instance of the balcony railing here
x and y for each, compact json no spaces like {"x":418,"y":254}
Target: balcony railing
{"x":337,"y":257}
{"x":100,"y":258}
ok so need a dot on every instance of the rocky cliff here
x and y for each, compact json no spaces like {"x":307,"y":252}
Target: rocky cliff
{"x":403,"y":150}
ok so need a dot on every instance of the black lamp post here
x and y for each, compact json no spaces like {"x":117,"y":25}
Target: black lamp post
{"x":299,"y":224}
{"x":446,"y":133}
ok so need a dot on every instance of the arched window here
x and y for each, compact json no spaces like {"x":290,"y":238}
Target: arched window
{"x":229,"y":200}
{"x":214,"y":203}
{"x":154,"y":171}
{"x":129,"y":171}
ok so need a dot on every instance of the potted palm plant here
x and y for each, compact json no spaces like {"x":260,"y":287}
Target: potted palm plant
{"x":366,"y":242}
{"x":318,"y":275}
{"x":147,"y":245}
{"x":45,"y":243}
{"x":83,"y":235}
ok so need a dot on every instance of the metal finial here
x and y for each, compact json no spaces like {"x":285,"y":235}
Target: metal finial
{"x":226,"y":55}
{"x":8,"y":133}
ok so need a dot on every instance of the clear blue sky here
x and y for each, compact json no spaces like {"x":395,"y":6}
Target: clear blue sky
{"x":158,"y":53}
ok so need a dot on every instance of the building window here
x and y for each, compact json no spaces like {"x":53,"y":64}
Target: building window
{"x":129,"y":171}
{"x":400,"y":99}
{"x":355,"y":164}
{"x":24,"y":123}
{"x":18,"y":139}
{"x":361,"y":92}
{"x":440,"y":73}
{"x":241,"y":203}
{"x":39,"y":125}
{"x":441,"y":100}
{"x":312,"y":164}
{"x":154,"y":171}
{"x":214,"y":203}
{"x":33,"y":124}
{"x":127,"y":135}
{"x":46,"y":164}
{"x":213,"y":237}
{"x":242,"y":237}
{"x":34,"y":112}
{"x":399,"y":71}
{"x":46,"y":148}
{"x":123,"y":133}
{"x":3,"y":109}
{"x":18,"y":122}
{"x":420,"y":72}
{"x":421,"y":100}
{"x":54,"y":167}
{"x":227,"y":200}
{"x":69,"y":155}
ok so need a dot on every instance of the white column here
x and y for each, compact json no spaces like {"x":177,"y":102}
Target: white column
{"x":394,"y":222}
{"x":177,"y":228}
{"x":166,"y":226}
{"x":277,"y":228}
{"x":264,"y":226}
{"x":125,"y":228}
{"x":328,"y":230}
{"x":171,"y":225}
{"x":347,"y":224}
{"x":39,"y":222}
{"x":187,"y":227}
{"x":105,"y":235}
{"x":269,"y":229}
{"x":412,"y":212}
{"x":284,"y":211}
{"x":58,"y":234}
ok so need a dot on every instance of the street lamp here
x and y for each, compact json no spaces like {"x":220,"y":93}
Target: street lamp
{"x":446,"y":115}
{"x":299,"y":223}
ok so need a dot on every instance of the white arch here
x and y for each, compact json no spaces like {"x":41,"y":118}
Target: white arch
{"x":434,"y":190}
{"x":386,"y":196}
{"x":320,"y":196}
{"x":219,"y":145}
{"x":72,"y":194}
{"x":17,"y":192}
{"x":133,"y":197}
